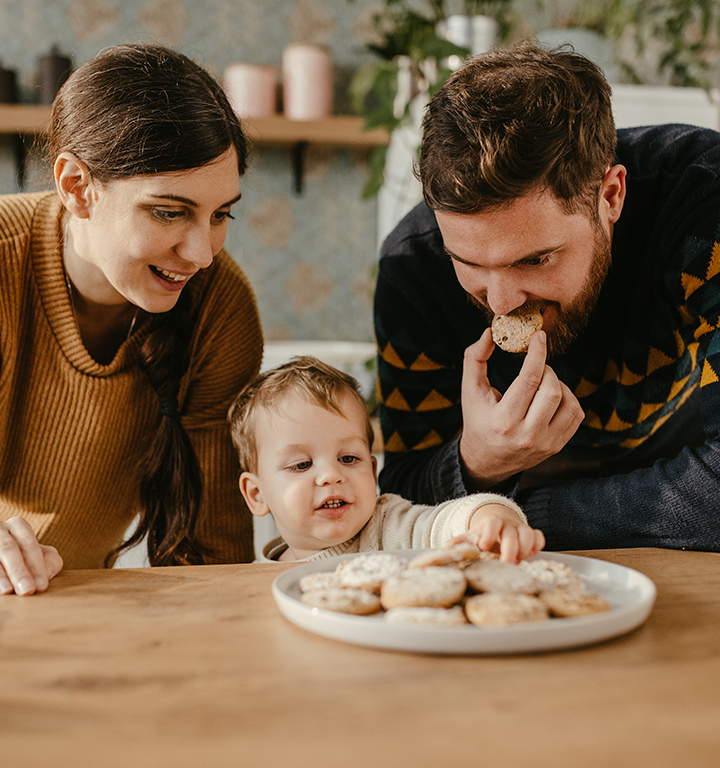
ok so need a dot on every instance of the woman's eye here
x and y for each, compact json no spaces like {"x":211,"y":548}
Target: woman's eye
{"x":222,"y":216}
{"x":165,"y":215}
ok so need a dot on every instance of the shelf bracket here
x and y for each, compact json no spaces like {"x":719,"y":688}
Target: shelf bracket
{"x":298,"y":161}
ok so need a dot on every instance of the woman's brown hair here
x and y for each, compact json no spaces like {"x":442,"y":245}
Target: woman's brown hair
{"x":142,"y":109}
{"x":512,"y":122}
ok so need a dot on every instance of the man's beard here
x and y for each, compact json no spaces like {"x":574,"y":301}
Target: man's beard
{"x":572,"y":319}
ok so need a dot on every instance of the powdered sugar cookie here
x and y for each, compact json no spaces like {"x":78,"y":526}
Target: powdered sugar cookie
{"x":513,"y":332}
{"x":356,"y":601}
{"x":564,"y":602}
{"x":461,"y":553}
{"x":432,"y":587}
{"x":497,"y":609}
{"x":427,"y":617}
{"x":552,"y":573}
{"x":370,"y":570}
{"x":319,"y":580}
{"x":496,"y":576}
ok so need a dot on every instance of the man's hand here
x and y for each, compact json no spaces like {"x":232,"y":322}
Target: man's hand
{"x":533,"y":420}
{"x":25,"y":565}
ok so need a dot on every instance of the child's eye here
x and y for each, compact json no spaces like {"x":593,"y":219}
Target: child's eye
{"x":348,"y":459}
{"x":301,"y":466}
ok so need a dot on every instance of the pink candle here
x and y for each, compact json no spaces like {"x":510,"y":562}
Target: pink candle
{"x":251,"y":89}
{"x":307,"y":82}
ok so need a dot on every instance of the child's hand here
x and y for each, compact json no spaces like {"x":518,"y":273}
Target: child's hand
{"x":496,"y":528}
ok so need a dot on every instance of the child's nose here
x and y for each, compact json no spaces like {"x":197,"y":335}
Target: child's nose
{"x":329,"y":474}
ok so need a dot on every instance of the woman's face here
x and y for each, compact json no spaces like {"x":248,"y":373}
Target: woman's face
{"x":144,"y":237}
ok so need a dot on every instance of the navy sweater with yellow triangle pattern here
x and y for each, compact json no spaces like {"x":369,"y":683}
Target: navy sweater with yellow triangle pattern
{"x":646,"y":370}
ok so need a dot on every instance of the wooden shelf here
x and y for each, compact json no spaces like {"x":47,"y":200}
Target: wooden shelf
{"x":340,"y":130}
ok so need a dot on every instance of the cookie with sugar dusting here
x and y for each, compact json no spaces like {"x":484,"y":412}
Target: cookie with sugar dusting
{"x":369,"y":571}
{"x":358,"y":602}
{"x":427,"y":617}
{"x":458,"y":554}
{"x":496,"y":576}
{"x":513,"y":332}
{"x":565,"y":602}
{"x":433,"y":587}
{"x":497,"y":609}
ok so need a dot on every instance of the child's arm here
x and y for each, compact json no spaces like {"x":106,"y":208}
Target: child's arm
{"x":497,"y":527}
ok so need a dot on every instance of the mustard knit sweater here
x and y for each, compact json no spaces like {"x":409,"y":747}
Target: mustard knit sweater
{"x":72,"y":431}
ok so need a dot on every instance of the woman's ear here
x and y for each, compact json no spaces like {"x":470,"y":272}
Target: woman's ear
{"x":252,"y":493}
{"x":74,"y":184}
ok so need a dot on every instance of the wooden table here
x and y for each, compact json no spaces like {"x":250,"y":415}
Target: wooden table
{"x":153,"y":668}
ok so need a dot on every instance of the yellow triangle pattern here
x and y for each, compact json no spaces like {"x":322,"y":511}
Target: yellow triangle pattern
{"x":690,"y":284}
{"x":708,"y":375}
{"x":616,"y":424}
{"x":424,"y":363}
{"x":431,"y":440}
{"x":657,"y":360}
{"x":395,"y":444}
{"x":703,"y":328}
{"x":434,"y":402}
{"x":611,"y":372}
{"x":686,"y":316}
{"x":677,"y":387}
{"x":714,"y":265}
{"x":585,"y":388}
{"x":592,"y":420}
{"x":648,"y":409}
{"x":389,"y":355}
{"x":397,"y":401}
{"x":628,"y":378}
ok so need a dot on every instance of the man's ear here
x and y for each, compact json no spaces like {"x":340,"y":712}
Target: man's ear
{"x":252,"y":493}
{"x":74,"y":184}
{"x":612,"y":192}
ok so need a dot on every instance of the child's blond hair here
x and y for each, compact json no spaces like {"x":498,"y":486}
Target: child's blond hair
{"x":318,"y":382}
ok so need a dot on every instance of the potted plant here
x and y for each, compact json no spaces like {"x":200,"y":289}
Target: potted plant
{"x":412,"y":63}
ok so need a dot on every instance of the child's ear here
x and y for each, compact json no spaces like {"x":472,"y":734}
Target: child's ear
{"x":74,"y":184}
{"x":252,"y":493}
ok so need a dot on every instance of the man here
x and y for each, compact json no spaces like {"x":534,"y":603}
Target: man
{"x":608,"y":429}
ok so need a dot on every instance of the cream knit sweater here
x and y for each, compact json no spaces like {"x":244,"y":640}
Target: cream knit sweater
{"x":72,"y":430}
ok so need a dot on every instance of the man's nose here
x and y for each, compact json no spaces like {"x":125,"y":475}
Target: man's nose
{"x":503,"y":294}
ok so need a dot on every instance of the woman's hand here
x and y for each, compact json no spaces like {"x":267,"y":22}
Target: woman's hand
{"x":496,"y":528}
{"x":26,"y":566}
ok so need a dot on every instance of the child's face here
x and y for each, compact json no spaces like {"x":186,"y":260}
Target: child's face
{"x":316,"y":475}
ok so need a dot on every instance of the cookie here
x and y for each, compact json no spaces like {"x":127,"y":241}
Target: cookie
{"x":496,"y":576}
{"x":513,"y":332}
{"x":427,"y":617}
{"x":552,"y":573}
{"x":356,"y":601}
{"x":319,"y":580}
{"x":563,"y":602}
{"x":461,"y":553}
{"x":433,"y":587}
{"x":369,"y":571}
{"x":497,"y":609}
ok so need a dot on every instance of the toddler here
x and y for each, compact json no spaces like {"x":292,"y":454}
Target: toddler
{"x":304,"y":440}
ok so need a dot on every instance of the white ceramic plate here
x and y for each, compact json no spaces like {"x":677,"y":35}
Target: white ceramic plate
{"x":631,"y":596}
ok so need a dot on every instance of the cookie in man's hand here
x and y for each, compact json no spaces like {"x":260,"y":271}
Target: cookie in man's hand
{"x":513,"y":332}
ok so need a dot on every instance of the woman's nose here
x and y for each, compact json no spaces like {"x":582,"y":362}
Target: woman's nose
{"x":197,"y":247}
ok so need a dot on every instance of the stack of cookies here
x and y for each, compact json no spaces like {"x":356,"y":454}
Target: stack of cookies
{"x":450,"y":587}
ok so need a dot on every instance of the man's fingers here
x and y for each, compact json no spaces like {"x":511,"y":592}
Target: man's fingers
{"x":521,"y":393}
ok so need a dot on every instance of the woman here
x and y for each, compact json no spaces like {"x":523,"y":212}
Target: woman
{"x":125,"y":328}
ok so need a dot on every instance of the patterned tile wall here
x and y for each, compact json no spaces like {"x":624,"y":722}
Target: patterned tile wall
{"x":310,"y":257}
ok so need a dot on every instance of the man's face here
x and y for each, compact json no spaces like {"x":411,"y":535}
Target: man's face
{"x":532,"y":252}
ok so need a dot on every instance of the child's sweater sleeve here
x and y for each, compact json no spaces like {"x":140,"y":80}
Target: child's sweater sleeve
{"x":400,"y":524}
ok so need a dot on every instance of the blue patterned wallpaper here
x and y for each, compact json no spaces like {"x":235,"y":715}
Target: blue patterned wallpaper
{"x":309,"y":257}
